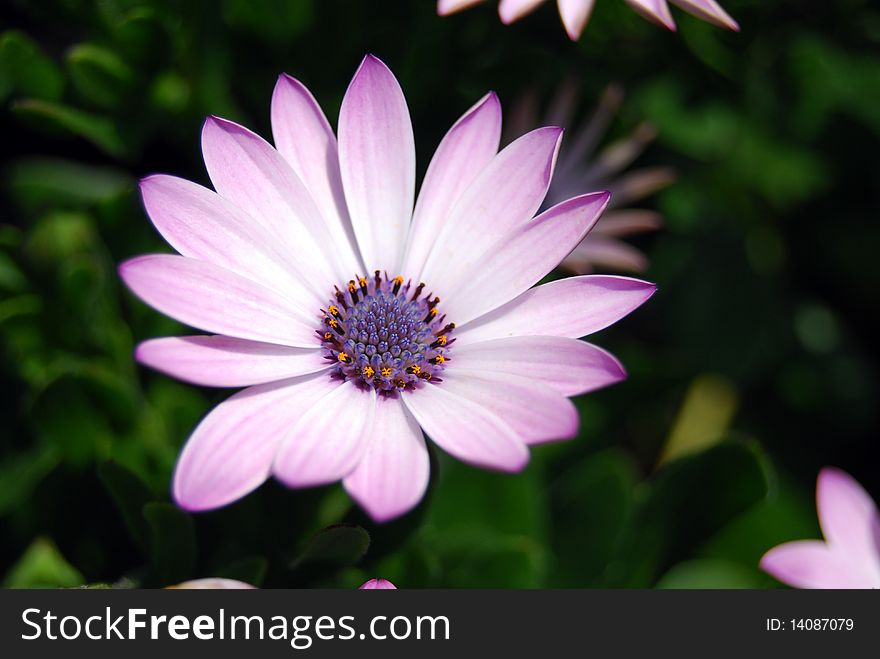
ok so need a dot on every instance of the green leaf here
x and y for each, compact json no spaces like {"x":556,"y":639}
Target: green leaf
{"x":26,"y":70}
{"x":592,"y":502}
{"x":37,"y":181}
{"x":173,"y":542}
{"x":685,"y":504}
{"x":100,"y":131}
{"x":251,"y":570}
{"x":42,"y":566}
{"x":341,"y":544}
{"x":99,"y":75}
{"x":130,"y":494}
{"x":709,"y":573}
{"x":21,"y":473}
{"x":66,"y":418}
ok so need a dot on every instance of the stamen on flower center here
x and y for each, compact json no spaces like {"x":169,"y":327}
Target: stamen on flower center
{"x":384,"y":334}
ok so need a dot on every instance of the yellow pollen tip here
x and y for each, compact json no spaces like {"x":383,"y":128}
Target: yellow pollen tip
{"x":398,"y":280}
{"x":333,"y":322}
{"x":433,"y":312}
{"x":369,"y":372}
{"x":328,"y":335}
{"x":344,"y":358}
{"x":386,"y":372}
{"x":362,"y":282}
{"x":334,"y":310}
{"x":351,"y":287}
{"x":441,"y":340}
{"x":415,"y":369}
{"x":439,"y":359}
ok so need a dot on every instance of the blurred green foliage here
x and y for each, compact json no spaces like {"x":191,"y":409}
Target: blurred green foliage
{"x":766,"y":270}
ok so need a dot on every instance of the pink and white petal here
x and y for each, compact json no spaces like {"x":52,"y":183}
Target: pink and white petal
{"x":575,"y":14}
{"x":568,"y":366}
{"x":328,"y":440}
{"x":849,"y":517}
{"x":212,"y":583}
{"x":230,"y":453}
{"x":377,"y":584}
{"x":463,"y":153}
{"x":523,"y":258}
{"x":209,"y":298}
{"x":201,"y":224}
{"x":392,"y":476}
{"x":813,"y":564}
{"x":504,"y":197}
{"x":602,"y":252}
{"x":534,"y":411}
{"x":466,"y":430}
{"x":654,"y":10}
{"x":571,"y":307}
{"x":710,"y":11}
{"x":249,"y":172}
{"x":222,"y":361}
{"x":377,"y":161}
{"x":304,"y":137}
{"x":513,"y":10}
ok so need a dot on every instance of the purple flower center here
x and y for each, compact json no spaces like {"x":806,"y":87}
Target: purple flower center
{"x":386,"y":335}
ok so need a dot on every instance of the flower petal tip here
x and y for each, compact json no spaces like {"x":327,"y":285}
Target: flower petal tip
{"x":377,"y":584}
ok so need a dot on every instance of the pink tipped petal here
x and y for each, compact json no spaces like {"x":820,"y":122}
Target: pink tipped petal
{"x":813,"y":564}
{"x":392,"y":476}
{"x":535,"y":412}
{"x":602,"y":252}
{"x":215,"y":300}
{"x":328,"y":440}
{"x":513,"y":10}
{"x":654,"y":10}
{"x":575,"y":14}
{"x":529,"y":253}
{"x":568,"y":366}
{"x":710,"y":11}
{"x":572,"y":307}
{"x":377,"y":163}
{"x":463,"y":153}
{"x":849,"y":518}
{"x":221,"y":361}
{"x":230,"y":453}
{"x":201,"y":224}
{"x":467,"y":430}
{"x":212,"y":584}
{"x":377,"y":584}
{"x":249,"y":172}
{"x":505,"y":196}
{"x":304,"y":137}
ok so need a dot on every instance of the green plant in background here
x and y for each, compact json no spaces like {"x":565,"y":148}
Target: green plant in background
{"x":765,"y":270}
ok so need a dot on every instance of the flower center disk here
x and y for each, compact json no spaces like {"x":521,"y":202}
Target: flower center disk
{"x":382,"y":334}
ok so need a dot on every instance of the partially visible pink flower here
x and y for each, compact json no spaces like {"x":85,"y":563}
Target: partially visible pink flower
{"x":850,"y":555}
{"x":378,"y":584}
{"x":212,"y":584}
{"x":359,"y":318}
{"x":576,"y":13}
{"x":582,"y":166}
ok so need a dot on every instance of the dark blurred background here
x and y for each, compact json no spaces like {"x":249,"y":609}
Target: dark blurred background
{"x":753,"y":366}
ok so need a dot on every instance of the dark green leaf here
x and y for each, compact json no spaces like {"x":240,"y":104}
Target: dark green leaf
{"x":173,"y":542}
{"x":341,"y":545}
{"x":250,"y":570}
{"x":26,"y":70}
{"x":100,"y":131}
{"x":685,"y":504}
{"x":130,"y":494}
